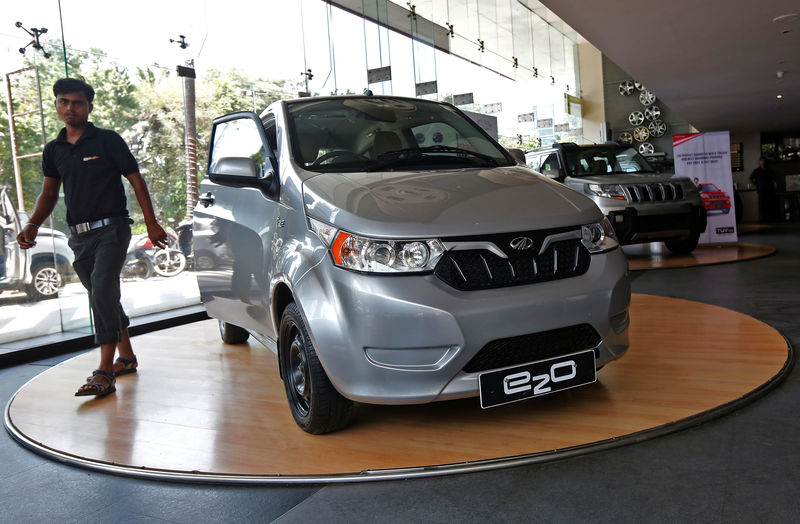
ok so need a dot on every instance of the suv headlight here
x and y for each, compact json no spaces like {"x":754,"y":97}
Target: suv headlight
{"x":599,"y":237}
{"x":606,"y":191}
{"x":372,"y":255}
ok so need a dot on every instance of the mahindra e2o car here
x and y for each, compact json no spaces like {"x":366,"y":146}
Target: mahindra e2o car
{"x":391,"y":252}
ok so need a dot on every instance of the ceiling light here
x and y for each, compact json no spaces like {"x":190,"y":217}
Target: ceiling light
{"x":788,"y":17}
{"x":779,"y":97}
{"x":779,"y":74}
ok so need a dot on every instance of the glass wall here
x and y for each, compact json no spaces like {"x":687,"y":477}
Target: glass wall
{"x":508,"y":59}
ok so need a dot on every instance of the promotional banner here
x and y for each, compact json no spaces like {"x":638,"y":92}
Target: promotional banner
{"x":706,"y":159}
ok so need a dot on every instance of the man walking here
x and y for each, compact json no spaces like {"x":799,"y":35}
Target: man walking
{"x":90,"y":162}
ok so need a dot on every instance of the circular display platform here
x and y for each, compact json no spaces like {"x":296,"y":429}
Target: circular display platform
{"x":200,"y":410}
{"x":655,"y":255}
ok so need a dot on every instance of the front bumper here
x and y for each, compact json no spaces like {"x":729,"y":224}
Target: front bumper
{"x":406,"y":339}
{"x":660,"y":222}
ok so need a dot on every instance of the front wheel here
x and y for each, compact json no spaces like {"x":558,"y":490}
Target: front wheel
{"x":45,"y":283}
{"x":169,"y":262}
{"x":684,"y":245}
{"x":316,"y":405}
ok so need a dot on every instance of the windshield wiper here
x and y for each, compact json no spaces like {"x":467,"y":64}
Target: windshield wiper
{"x":414,"y":154}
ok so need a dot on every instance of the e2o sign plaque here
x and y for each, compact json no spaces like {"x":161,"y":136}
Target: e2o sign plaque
{"x":537,"y":378}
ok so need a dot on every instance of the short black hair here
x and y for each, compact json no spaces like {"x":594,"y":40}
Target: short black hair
{"x":73,"y":85}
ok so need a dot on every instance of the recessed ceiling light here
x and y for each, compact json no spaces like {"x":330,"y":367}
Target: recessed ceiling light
{"x":788,"y":17}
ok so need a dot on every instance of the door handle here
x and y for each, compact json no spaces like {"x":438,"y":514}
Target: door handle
{"x":206,"y":200}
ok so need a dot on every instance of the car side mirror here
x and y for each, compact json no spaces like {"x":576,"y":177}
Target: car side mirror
{"x":241,"y":172}
{"x":551,"y":173}
{"x":518,"y":155}
{"x":238,"y":167}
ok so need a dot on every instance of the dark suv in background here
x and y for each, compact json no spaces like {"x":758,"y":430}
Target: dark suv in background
{"x":642,"y":205}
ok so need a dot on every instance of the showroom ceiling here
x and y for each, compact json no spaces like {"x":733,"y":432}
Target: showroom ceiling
{"x":715,"y":63}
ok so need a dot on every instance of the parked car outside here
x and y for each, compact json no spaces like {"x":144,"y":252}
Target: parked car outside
{"x":39,"y":271}
{"x":642,"y":205}
{"x":392,"y":252}
{"x":715,"y":200}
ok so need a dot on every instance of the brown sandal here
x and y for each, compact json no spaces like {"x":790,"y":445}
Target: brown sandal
{"x":100,"y":385}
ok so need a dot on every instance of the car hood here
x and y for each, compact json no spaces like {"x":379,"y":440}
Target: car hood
{"x":445,"y":202}
{"x":639,"y":178}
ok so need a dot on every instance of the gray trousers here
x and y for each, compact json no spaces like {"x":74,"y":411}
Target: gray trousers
{"x":99,"y":257}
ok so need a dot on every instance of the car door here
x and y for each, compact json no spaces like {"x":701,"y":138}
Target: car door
{"x":236,"y":219}
{"x":13,"y":258}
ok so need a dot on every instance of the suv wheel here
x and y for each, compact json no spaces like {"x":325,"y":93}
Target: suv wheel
{"x":683,"y":246}
{"x":45,"y":282}
{"x":231,"y":334}
{"x":316,"y":405}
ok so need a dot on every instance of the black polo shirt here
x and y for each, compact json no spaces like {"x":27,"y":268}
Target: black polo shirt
{"x":91,"y":171}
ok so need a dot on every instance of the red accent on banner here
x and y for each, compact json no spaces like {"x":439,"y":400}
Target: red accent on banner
{"x":680,"y":139}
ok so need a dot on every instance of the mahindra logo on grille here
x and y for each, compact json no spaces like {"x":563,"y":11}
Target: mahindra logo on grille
{"x":522,"y":243}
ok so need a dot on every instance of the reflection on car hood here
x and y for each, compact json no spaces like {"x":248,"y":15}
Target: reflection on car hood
{"x":637,"y":178}
{"x":445,"y":203}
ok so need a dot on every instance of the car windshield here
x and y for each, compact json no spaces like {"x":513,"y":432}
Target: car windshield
{"x":605,"y":160}
{"x":386,"y":134}
{"x":708,"y":188}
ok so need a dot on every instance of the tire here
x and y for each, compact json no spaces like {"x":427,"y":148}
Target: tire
{"x":169,"y":262}
{"x":683,"y":246}
{"x":231,"y":334}
{"x":140,"y":268}
{"x":315,"y":404}
{"x":204,"y":261}
{"x":45,"y":283}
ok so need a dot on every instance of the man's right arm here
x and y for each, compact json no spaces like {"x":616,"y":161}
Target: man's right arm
{"x":44,"y":206}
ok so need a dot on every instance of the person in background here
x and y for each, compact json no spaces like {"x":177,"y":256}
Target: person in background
{"x":91,"y":162}
{"x":764,"y":180}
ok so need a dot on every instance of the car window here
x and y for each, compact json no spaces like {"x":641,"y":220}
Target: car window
{"x":533,"y":161}
{"x":603,"y":160}
{"x":272,"y":138}
{"x":550,"y":166}
{"x":239,"y":138}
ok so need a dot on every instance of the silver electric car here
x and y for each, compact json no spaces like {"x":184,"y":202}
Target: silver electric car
{"x":391,"y":252}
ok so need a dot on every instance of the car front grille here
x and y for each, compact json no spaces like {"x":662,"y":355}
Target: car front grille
{"x":533,"y":347}
{"x":654,"y":192}
{"x":473,"y":269}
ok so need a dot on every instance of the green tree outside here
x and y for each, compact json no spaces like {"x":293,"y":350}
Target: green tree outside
{"x":145,"y":106}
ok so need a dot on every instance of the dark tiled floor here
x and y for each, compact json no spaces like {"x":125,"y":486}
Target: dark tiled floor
{"x":744,"y":467}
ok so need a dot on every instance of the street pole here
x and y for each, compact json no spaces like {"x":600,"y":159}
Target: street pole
{"x":190,"y":136}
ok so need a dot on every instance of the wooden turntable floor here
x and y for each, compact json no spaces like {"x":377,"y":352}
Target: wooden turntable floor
{"x":200,"y":408}
{"x":655,"y":255}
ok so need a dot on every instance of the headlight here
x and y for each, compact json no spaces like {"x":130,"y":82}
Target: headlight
{"x":599,"y":237}
{"x":371,"y":255}
{"x":606,"y":191}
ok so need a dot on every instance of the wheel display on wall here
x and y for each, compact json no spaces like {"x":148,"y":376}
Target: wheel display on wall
{"x":657,"y":128}
{"x":636,"y":118}
{"x":652,"y":113}
{"x":646,"y":97}
{"x":626,"y":88}
{"x":641,"y":134}
{"x":639,"y":86}
{"x":626,"y":137}
{"x":646,"y":148}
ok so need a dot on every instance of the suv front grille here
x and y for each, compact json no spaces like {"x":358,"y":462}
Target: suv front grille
{"x":533,"y":347}
{"x":474,"y":269}
{"x":654,"y":192}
